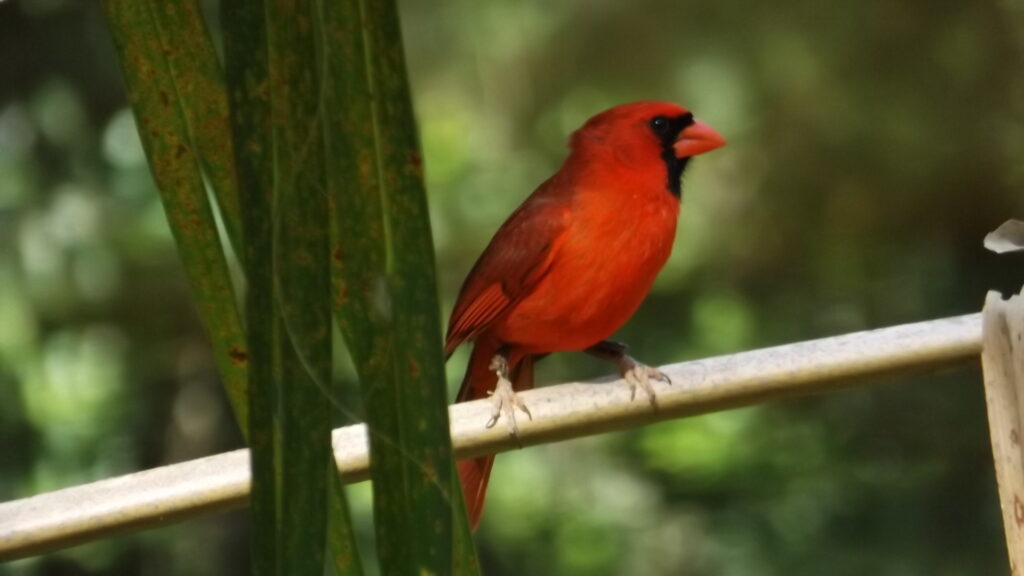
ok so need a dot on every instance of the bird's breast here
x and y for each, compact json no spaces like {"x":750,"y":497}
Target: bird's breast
{"x":604,"y":268}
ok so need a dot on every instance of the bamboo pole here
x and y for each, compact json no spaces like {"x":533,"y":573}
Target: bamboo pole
{"x":164,"y":495}
{"x":1003,"y":362}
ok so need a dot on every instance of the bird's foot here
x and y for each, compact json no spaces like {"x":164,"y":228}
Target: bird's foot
{"x":504,"y":398}
{"x":639,"y":375}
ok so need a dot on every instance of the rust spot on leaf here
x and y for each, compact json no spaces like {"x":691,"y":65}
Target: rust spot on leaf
{"x":416,"y":163}
{"x":238,"y":356}
{"x":414,"y":369}
{"x":337,"y":255}
{"x":302,"y":258}
{"x":430,"y":475}
{"x":165,"y":100}
{"x":180,"y":151}
{"x":367,"y":166}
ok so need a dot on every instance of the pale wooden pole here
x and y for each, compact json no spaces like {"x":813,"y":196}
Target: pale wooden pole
{"x":160,"y":496}
{"x":1002,"y":359}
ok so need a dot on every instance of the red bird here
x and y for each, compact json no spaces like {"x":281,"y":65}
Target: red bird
{"x":574,"y":261}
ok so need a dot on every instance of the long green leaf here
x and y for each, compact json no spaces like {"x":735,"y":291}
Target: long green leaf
{"x":358,"y":241}
{"x":464,"y":558}
{"x":162,"y":123}
{"x":386,"y":300}
{"x":423,"y":474}
{"x":245,"y":54}
{"x":200,"y":82}
{"x":341,"y":540}
{"x":422,"y":394}
{"x":305,"y":458}
{"x":302,"y":279}
{"x":248,"y":76}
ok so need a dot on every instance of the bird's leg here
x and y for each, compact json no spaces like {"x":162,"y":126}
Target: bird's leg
{"x":635,"y":373}
{"x":504,"y":397}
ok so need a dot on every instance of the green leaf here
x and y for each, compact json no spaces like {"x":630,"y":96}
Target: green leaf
{"x":246,"y":46}
{"x":464,"y":560}
{"x":200,"y":84}
{"x":269,"y":175}
{"x":421,"y":469}
{"x":245,"y":54}
{"x":301,"y":274}
{"x":358,"y":239}
{"x":160,"y":113}
{"x":340,"y":538}
{"x":304,"y":459}
{"x":362,"y":301}
{"x":385,"y":291}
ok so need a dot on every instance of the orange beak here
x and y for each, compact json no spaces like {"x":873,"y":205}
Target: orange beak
{"x":697,"y":138}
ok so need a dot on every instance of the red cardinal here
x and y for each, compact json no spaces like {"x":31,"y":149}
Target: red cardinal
{"x":574,"y":261}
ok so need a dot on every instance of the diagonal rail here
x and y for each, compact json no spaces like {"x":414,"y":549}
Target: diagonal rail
{"x":168,"y":494}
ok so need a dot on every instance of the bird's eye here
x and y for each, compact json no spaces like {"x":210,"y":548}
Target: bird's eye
{"x":659,"y":124}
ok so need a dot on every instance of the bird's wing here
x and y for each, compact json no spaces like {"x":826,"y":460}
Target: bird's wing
{"x":519,"y":255}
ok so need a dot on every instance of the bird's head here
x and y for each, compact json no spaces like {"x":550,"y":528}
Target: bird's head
{"x":646,"y":137}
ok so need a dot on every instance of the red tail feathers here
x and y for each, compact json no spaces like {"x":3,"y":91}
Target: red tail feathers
{"x":474,"y":475}
{"x":480,"y":380}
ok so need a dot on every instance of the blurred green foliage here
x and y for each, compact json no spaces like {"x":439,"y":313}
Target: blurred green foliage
{"x":872,"y":145}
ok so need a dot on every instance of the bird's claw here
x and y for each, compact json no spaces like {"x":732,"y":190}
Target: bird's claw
{"x":504,"y":399}
{"x":639,"y":375}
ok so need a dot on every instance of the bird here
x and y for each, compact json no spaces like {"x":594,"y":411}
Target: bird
{"x":574,"y":261}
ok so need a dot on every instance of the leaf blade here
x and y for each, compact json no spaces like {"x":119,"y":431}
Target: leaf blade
{"x":199,"y":82}
{"x":302,"y":286}
{"x":245,"y":55}
{"x":175,"y":167}
{"x":386,"y":300}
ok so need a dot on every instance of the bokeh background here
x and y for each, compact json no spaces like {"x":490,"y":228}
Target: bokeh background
{"x":871,"y":146}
